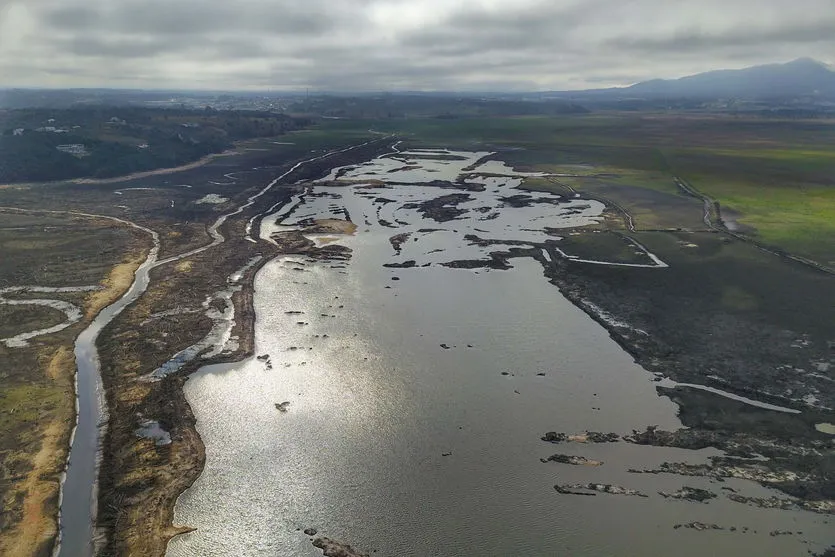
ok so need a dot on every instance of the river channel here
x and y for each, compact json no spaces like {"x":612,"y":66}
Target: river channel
{"x":401,"y":409}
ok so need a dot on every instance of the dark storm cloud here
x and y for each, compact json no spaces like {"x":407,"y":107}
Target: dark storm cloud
{"x":398,"y":44}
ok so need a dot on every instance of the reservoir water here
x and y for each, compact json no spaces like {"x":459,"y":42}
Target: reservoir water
{"x":416,"y":407}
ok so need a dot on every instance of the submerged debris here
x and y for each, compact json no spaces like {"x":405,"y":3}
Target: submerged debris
{"x":689,"y":494}
{"x":698,"y":526}
{"x":587,"y":437}
{"x":398,"y":240}
{"x":405,"y":265}
{"x":572,"y":489}
{"x":333,"y":548}
{"x":572,"y":460}
{"x":820,"y":506}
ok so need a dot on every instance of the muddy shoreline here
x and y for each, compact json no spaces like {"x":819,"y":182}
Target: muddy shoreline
{"x":653,"y":354}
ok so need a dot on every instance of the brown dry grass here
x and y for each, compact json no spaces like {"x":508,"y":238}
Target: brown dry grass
{"x":61,"y":364}
{"x":184,"y":266}
{"x":116,"y":283}
{"x":148,"y":523}
{"x":38,"y":527}
{"x":36,"y":531}
{"x":336,"y":226}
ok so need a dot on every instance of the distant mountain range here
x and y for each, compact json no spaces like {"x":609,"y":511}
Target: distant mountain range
{"x":801,"y":78}
{"x":802,"y":84}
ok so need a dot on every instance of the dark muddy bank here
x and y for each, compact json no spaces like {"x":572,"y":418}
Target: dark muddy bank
{"x":745,"y":322}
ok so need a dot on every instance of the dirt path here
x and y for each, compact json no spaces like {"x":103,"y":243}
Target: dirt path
{"x":78,"y":214}
{"x":158,"y":172}
{"x":37,"y":527}
{"x":708,"y":202}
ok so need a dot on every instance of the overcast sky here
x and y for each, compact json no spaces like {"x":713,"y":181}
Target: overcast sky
{"x":398,"y":44}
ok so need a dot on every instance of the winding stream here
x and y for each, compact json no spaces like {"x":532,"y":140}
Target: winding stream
{"x":78,"y":497}
{"x":72,"y":313}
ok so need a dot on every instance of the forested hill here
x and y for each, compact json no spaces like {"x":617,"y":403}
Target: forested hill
{"x":58,"y":144}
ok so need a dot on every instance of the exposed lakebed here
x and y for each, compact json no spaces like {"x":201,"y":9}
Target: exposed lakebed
{"x":416,"y":405}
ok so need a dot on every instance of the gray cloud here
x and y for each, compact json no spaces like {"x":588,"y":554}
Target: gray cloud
{"x":703,"y":40}
{"x":190,"y":17}
{"x":398,"y":44}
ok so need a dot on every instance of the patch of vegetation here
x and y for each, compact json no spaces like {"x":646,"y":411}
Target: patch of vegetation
{"x":17,"y":319}
{"x":59,"y":250}
{"x":119,"y":140}
{"x":23,"y":405}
